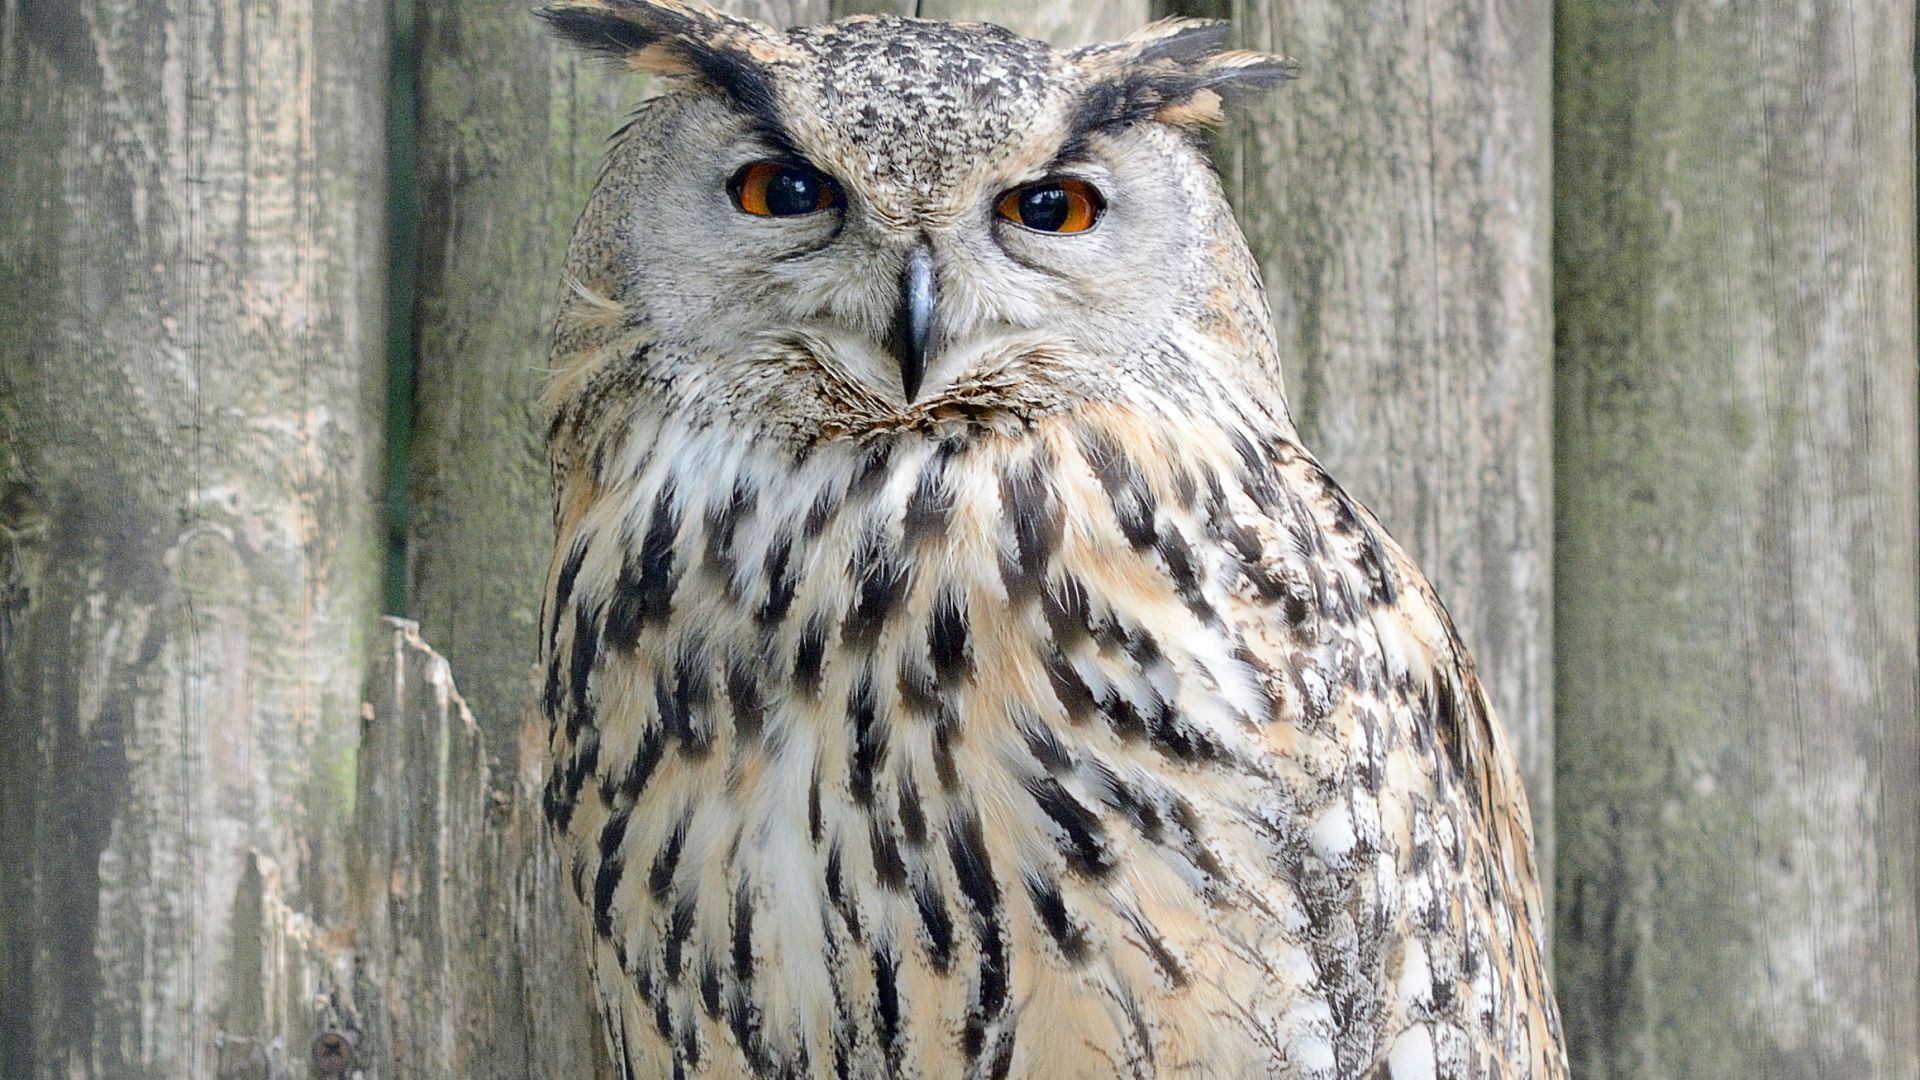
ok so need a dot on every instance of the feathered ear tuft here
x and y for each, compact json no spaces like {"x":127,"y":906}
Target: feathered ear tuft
{"x":679,"y":40}
{"x":1175,"y":71}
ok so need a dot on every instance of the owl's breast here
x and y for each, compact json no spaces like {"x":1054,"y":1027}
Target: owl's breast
{"x":960,"y":756}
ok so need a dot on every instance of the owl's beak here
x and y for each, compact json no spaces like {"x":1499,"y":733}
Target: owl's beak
{"x":913,"y":320}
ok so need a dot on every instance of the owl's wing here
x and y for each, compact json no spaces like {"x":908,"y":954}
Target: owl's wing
{"x":1352,"y":643}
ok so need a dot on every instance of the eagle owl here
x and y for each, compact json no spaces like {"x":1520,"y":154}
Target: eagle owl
{"x":954,"y":664}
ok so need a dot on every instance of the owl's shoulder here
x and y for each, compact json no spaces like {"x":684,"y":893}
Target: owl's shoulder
{"x":1355,"y":644}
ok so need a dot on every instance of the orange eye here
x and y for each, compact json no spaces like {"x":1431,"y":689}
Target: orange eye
{"x":782,"y":189}
{"x":1055,"y":206}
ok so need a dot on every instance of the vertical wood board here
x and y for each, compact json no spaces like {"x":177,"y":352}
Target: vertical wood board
{"x":1735,"y":428}
{"x":189,"y":438}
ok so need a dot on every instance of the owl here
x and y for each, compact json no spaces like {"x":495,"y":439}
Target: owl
{"x":954,"y":664}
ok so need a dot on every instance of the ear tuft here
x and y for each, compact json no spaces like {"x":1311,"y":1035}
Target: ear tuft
{"x":1175,"y":71}
{"x":725,"y":53}
{"x":666,"y":37}
{"x":628,"y":32}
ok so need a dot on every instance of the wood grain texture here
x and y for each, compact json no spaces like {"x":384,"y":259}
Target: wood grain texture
{"x":460,"y":920}
{"x":1396,"y":196}
{"x":512,"y":130}
{"x":1735,"y":427}
{"x":190,"y":429}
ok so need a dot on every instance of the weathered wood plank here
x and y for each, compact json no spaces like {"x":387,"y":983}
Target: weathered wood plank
{"x":1735,"y":424}
{"x":425,"y":874}
{"x":189,"y":435}
{"x":511,"y":133}
{"x":473,"y":953}
{"x":1396,"y":196}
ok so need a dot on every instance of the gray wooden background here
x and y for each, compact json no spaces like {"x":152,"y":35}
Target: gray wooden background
{"x":1607,"y":308}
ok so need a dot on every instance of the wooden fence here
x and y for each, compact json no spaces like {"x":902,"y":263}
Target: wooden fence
{"x":1608,"y":309}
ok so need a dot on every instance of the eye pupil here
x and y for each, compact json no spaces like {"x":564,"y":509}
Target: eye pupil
{"x":1044,"y":208}
{"x":776,"y":189}
{"x":792,"y":191}
{"x":1065,"y":205}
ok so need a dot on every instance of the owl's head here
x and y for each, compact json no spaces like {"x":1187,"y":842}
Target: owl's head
{"x":888,"y":224}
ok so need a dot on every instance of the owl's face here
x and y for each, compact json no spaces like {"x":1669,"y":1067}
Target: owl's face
{"x":886,"y":223}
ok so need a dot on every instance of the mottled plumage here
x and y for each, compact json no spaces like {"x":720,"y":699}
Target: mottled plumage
{"x":1063,"y":719}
